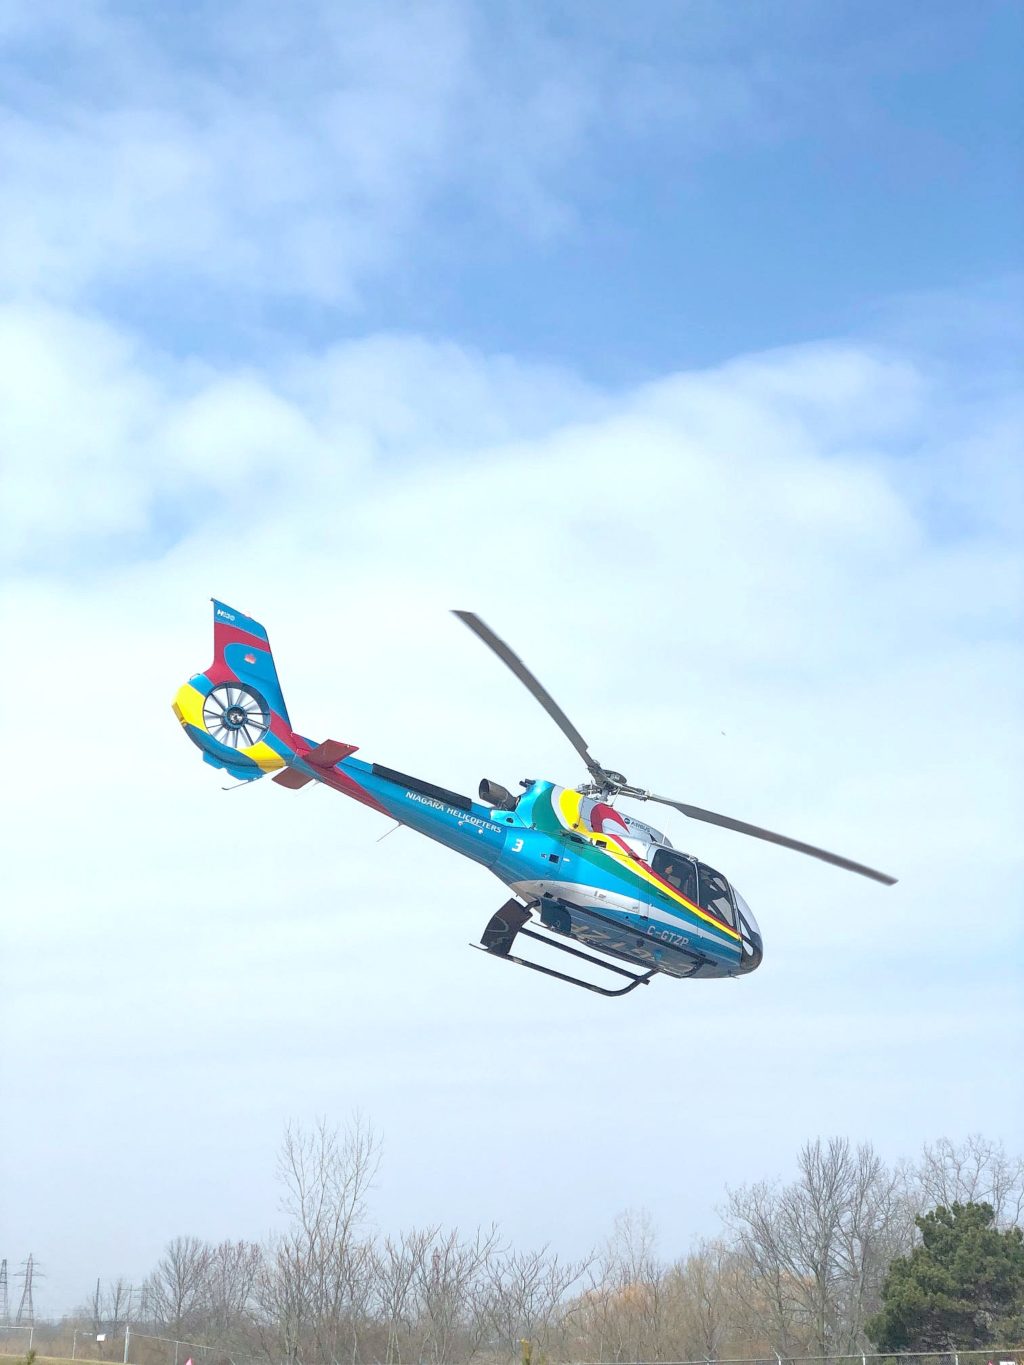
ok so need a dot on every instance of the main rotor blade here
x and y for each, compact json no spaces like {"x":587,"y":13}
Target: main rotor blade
{"x":727,"y":822}
{"x":524,"y":675}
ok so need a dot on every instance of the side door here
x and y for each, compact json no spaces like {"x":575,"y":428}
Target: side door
{"x":677,"y":871}
{"x":669,"y":919}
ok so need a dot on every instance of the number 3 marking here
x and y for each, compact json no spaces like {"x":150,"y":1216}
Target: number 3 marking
{"x":517,"y":846}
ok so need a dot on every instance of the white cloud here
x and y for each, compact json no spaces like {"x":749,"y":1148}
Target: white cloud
{"x":299,"y":152}
{"x":280,"y":151}
{"x":745,"y":550}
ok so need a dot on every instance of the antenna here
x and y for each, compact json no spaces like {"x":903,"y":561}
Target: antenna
{"x":5,"y":1307}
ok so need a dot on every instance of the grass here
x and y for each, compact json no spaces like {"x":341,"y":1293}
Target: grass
{"x":18,"y":1358}
{"x":47,"y":1360}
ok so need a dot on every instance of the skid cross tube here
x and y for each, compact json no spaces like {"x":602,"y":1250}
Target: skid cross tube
{"x":635,"y":979}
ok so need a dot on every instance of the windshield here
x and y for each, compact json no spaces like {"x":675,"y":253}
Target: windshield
{"x":745,"y":911}
{"x":750,"y":935}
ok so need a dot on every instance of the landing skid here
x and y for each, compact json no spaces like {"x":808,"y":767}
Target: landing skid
{"x":503,"y":928}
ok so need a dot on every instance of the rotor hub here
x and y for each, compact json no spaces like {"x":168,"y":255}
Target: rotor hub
{"x":236,"y":716}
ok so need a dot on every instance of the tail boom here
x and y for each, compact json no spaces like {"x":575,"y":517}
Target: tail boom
{"x":235,"y":713}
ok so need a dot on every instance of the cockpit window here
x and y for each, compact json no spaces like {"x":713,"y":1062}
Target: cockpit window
{"x":716,"y":894}
{"x":697,"y":882}
{"x":678,"y":870}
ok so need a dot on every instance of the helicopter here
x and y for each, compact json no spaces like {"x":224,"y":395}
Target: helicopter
{"x":594,"y":883}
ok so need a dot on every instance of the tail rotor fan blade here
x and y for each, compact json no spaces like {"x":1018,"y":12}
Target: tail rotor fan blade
{"x":235,"y":716}
{"x":710,"y":817}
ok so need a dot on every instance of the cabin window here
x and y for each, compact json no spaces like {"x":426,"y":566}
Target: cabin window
{"x":679,"y":871}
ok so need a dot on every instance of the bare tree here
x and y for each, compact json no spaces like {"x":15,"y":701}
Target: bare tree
{"x":800,"y":1274}
{"x":755,"y":1212}
{"x":314,"y":1283}
{"x":175,"y":1291}
{"x":976,"y":1170}
{"x":622,"y":1313}
{"x":529,"y":1297}
{"x":326,"y":1174}
{"x":820,"y":1247}
{"x":451,"y":1285}
{"x":698,"y":1296}
{"x":281,"y":1301}
{"x":231,"y":1276}
{"x":117,"y":1304}
{"x":396,"y":1269}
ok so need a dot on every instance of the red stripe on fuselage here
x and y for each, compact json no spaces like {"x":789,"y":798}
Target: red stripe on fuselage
{"x":219,"y":672}
{"x":341,"y":782}
{"x":699,"y":909}
{"x":674,"y":892}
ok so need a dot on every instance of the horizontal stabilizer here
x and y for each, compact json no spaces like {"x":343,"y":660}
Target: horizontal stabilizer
{"x":329,"y":753}
{"x":325,"y":756}
{"x":292,"y":779}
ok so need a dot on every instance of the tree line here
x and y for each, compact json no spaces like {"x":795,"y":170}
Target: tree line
{"x":836,"y":1261}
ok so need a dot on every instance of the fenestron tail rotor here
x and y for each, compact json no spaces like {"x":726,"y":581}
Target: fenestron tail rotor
{"x":609,"y":783}
{"x":236,"y":716}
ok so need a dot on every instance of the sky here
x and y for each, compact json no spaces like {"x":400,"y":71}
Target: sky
{"x":683,"y":344}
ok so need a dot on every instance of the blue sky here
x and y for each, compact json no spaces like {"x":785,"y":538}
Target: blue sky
{"x":682,"y":346}
{"x":554,"y":181}
{"x":859,"y":153}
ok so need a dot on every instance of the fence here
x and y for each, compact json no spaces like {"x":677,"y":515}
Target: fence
{"x":990,"y":1355}
{"x":120,"y":1347}
{"x":128,"y":1347}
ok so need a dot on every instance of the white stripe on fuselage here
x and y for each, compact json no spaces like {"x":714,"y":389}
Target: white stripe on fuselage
{"x":589,"y":897}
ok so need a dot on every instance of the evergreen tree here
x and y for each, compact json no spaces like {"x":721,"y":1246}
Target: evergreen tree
{"x":962,"y":1287}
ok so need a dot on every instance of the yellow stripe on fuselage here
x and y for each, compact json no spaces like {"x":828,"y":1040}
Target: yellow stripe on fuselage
{"x":569,"y":810}
{"x":667,"y":890}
